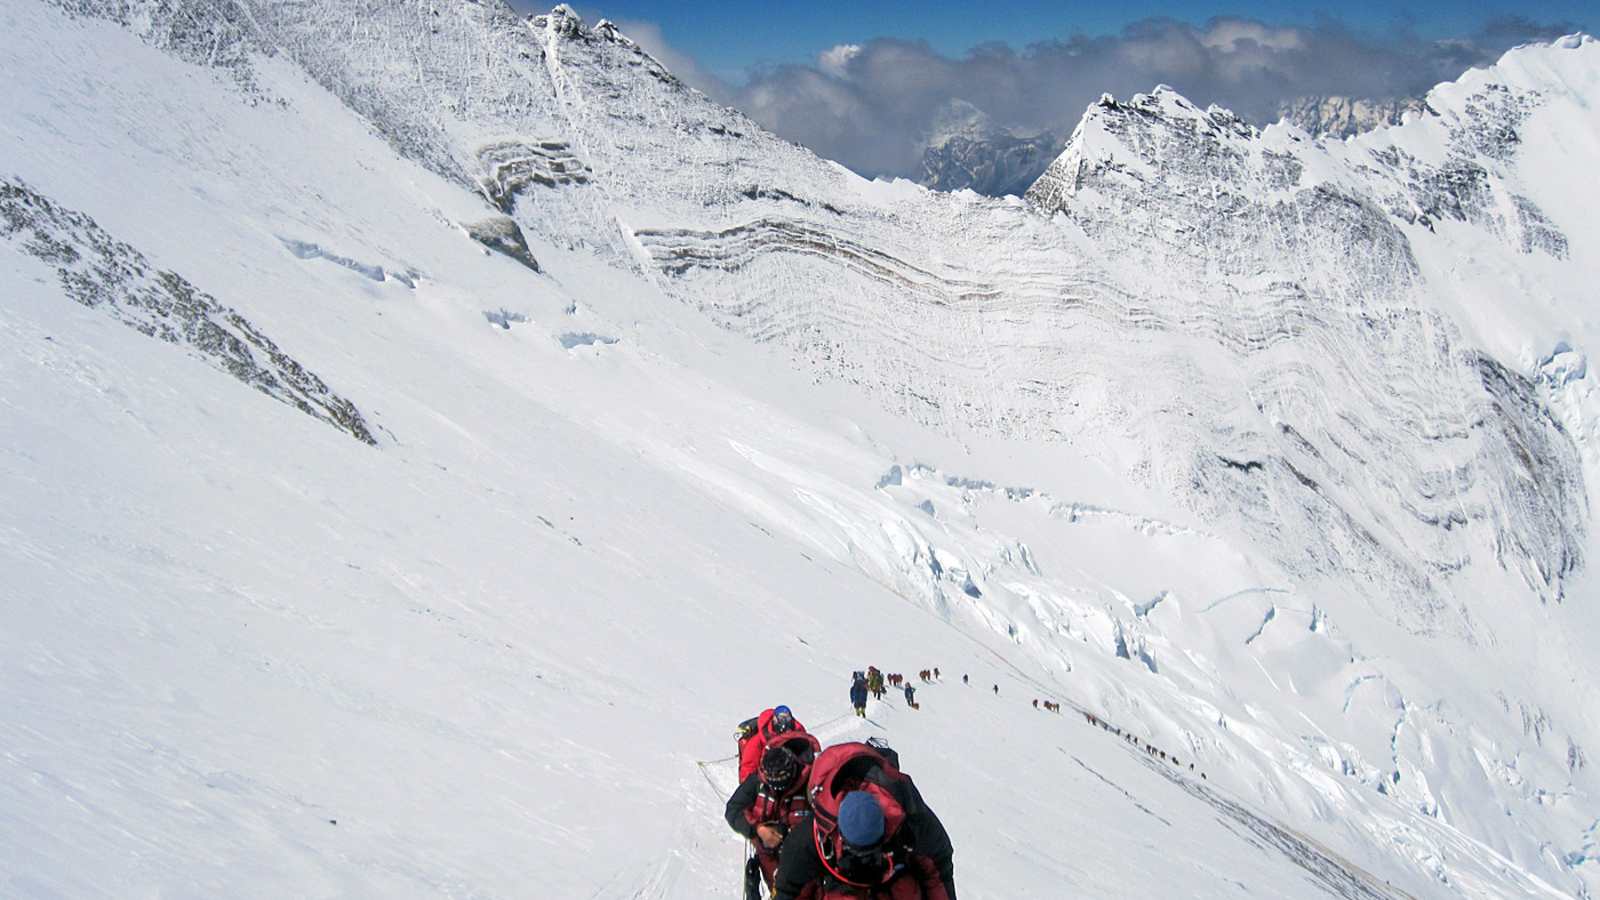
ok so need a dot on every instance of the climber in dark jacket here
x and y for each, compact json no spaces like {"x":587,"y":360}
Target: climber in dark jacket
{"x":870,"y":836}
{"x":858,"y":695}
{"x":771,"y":803}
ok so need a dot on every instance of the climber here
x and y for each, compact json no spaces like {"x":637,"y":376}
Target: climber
{"x":871,"y":835}
{"x":755,"y":733}
{"x":769,"y":803}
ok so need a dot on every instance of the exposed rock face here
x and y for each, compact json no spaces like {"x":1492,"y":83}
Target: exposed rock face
{"x":994,"y":165}
{"x":1342,"y":117}
{"x":502,"y":234}
{"x":102,"y":273}
{"x":511,"y":167}
{"x":1465,"y":185}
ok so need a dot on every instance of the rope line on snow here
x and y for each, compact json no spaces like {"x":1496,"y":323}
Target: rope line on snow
{"x":706,"y":773}
{"x":1151,"y":756}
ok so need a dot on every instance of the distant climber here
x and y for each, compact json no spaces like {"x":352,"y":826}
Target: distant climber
{"x":997,"y":690}
{"x":875,"y":682}
{"x":965,"y":681}
{"x":871,"y":835}
{"x":754,"y":734}
{"x":858,"y":694}
{"x":911,"y":697}
{"x":768,"y":804}
{"x":1036,"y":703}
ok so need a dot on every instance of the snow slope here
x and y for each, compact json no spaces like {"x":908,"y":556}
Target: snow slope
{"x":751,"y":424}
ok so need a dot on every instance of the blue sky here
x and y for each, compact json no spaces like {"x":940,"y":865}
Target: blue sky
{"x":728,"y":38}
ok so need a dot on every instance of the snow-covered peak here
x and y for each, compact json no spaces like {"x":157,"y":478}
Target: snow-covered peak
{"x":1557,"y":69}
{"x":561,"y":20}
{"x":1134,"y":139}
{"x":1484,"y":106}
{"x":958,"y":118}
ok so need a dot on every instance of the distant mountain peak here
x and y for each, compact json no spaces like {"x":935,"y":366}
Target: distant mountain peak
{"x":1342,"y":117}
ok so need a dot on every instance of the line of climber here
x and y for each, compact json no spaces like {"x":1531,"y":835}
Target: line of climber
{"x":872,"y":682}
{"x":1133,"y":739}
{"x":845,"y":822}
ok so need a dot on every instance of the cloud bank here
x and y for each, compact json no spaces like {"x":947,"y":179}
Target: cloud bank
{"x":873,"y":106}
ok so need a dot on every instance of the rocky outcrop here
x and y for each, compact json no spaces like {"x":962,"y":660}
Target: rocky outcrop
{"x":103,"y":273}
{"x":502,"y":234}
{"x":512,"y":167}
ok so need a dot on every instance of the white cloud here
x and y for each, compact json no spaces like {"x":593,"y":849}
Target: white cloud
{"x":1228,"y":34}
{"x":835,"y":60}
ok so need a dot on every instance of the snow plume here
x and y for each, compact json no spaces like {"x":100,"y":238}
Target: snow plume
{"x":874,"y":105}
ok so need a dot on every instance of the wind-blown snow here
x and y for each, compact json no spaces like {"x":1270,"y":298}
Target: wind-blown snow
{"x":1273,"y":452}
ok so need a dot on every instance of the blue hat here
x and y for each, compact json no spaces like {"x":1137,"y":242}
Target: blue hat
{"x":781,"y":711}
{"x":860,"y":819}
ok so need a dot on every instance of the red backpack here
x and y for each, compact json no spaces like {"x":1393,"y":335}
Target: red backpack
{"x":803,"y":744}
{"x":857,"y":767}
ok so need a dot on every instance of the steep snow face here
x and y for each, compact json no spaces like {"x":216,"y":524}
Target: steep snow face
{"x":1276,"y":453}
{"x":1301,"y":258}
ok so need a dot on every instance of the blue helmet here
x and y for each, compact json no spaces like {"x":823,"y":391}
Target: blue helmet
{"x":782,"y":718}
